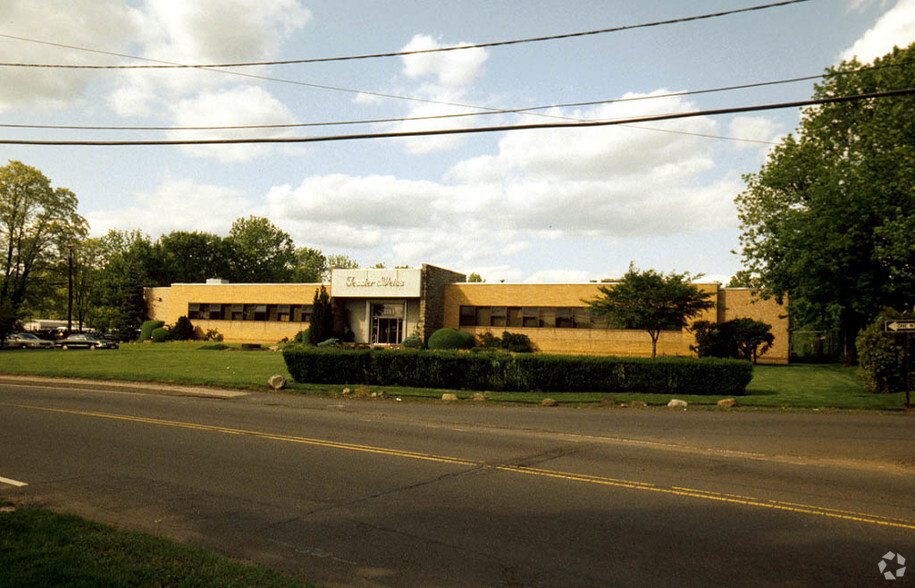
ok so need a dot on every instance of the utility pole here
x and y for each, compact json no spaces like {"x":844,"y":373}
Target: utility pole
{"x":69,"y":288}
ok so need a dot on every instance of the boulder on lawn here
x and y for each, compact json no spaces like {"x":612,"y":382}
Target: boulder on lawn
{"x":727,"y":403}
{"x":277,"y":382}
{"x":676,"y":403}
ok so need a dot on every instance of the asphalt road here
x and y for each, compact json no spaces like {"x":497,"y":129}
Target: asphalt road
{"x":384,"y":493}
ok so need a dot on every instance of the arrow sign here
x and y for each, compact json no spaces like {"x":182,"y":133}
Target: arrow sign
{"x":900,"y":326}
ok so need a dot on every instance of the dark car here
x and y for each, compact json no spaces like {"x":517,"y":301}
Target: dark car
{"x":85,"y":341}
{"x":26,"y":341}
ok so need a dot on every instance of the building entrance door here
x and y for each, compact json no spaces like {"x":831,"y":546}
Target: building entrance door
{"x":387,"y":323}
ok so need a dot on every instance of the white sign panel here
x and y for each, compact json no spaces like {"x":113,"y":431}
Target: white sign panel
{"x":376,"y":283}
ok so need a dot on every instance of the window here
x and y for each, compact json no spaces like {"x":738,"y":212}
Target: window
{"x":193,"y":310}
{"x":530,"y":316}
{"x":468,"y":316}
{"x":260,"y":312}
{"x":582,"y":318}
{"x":514,"y":316}
{"x":548,"y":317}
{"x":564,"y":318}
{"x":498,"y":316}
{"x":214,"y":312}
{"x":238,"y":312}
{"x":283,"y":313}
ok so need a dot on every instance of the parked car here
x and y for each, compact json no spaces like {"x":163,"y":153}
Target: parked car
{"x":86,"y":341}
{"x":26,"y":341}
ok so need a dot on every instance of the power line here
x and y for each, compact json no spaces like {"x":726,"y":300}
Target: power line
{"x":528,"y":109}
{"x":168,"y":65}
{"x":471,"y":130}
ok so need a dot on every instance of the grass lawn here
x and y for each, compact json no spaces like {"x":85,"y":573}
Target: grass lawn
{"x":42,"y":548}
{"x":774,"y":386}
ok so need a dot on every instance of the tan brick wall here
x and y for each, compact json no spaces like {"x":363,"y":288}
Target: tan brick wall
{"x":745,"y":303}
{"x":168,"y":304}
{"x":605,"y":341}
{"x":432,"y":303}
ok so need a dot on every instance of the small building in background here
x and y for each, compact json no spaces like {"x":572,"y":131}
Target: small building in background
{"x":384,"y":306}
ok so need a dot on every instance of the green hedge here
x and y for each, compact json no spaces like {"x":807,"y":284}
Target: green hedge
{"x":147,"y":328}
{"x":451,"y":339}
{"x":546,"y":373}
{"x":160,"y":335}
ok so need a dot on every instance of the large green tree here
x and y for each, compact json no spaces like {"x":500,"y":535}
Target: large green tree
{"x":829,"y":220}
{"x":190,"y":258}
{"x":310,"y":266}
{"x":651,"y":301}
{"x":260,"y":252}
{"x":120,"y":305}
{"x":37,"y":222}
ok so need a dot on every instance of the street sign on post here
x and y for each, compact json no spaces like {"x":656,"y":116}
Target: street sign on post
{"x":899,"y":326}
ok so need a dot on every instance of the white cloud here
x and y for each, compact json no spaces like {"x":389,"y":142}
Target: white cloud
{"x":444,"y":79}
{"x":176,"y":205}
{"x":204,"y":31}
{"x":754,"y":128}
{"x":449,"y":68}
{"x":894,"y":28}
{"x":246,"y":105}
{"x":558,"y":183}
{"x":102,"y":24}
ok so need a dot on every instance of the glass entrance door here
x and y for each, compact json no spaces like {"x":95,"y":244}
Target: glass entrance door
{"x":387,"y":323}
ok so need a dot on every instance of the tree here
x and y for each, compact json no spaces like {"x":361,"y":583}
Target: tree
{"x":651,"y":301}
{"x":829,"y":218}
{"x":189,"y":258}
{"x":260,"y":252}
{"x":475,"y":278}
{"x":37,"y":222}
{"x":744,"y":279}
{"x":121,"y":306}
{"x":322,"y":317}
{"x":341,"y":261}
{"x":310,"y":266}
{"x":740,"y":338}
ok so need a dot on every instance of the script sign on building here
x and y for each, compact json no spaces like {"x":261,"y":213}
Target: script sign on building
{"x":376,"y":283}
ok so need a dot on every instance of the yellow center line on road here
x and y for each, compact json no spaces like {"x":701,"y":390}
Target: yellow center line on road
{"x":859,"y":517}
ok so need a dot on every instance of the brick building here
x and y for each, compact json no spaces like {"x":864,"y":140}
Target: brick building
{"x":384,"y":306}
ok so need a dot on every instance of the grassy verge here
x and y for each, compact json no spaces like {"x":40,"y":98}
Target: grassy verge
{"x":794,"y":386}
{"x":42,"y":548}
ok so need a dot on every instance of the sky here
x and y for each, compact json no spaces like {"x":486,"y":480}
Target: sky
{"x":544,"y":205}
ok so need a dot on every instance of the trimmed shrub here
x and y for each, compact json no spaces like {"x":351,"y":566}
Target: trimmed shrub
{"x":546,"y":373}
{"x":329,"y":366}
{"x":160,"y":335}
{"x":183,"y":330}
{"x":517,"y":342}
{"x":451,"y":339}
{"x":303,"y":337}
{"x":147,"y":328}
{"x":413,"y":342}
{"x":881,"y":356}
